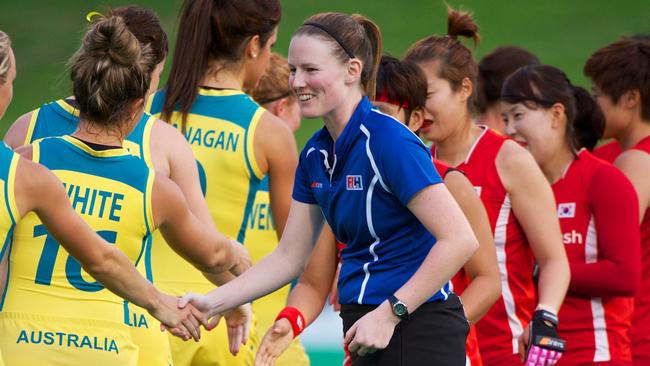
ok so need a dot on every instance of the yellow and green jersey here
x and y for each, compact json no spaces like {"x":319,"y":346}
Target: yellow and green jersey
{"x":220,"y":129}
{"x":261,"y":240}
{"x":61,"y":117}
{"x":111,"y":190}
{"x":8,"y":211}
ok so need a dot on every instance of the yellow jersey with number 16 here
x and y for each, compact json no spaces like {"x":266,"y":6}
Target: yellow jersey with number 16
{"x":111,"y":190}
{"x":52,"y":310}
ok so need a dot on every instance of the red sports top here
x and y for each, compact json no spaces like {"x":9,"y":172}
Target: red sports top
{"x":640,"y":331}
{"x":597,"y":210}
{"x":609,"y":151}
{"x":460,"y":283}
{"x":499,"y":330}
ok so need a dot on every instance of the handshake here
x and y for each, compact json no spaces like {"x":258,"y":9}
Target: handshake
{"x":183,"y":316}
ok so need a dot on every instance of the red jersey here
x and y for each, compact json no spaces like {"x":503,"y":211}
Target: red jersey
{"x":499,"y":330}
{"x":459,"y":284}
{"x":600,"y":231}
{"x":608,"y":152}
{"x":641,"y":319}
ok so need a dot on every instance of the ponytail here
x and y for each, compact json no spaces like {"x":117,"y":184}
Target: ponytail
{"x":456,"y":61}
{"x":145,"y":26}
{"x":109,"y":71}
{"x":191,"y":57}
{"x":589,"y":122}
{"x":212,"y":30}
{"x":373,"y":34}
{"x":460,"y":23}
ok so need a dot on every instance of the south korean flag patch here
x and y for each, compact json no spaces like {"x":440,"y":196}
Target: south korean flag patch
{"x":566,"y":210}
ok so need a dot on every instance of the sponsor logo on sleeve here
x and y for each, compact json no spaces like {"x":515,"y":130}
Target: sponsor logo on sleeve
{"x":566,"y":210}
{"x":354,"y":183}
{"x":316,"y":185}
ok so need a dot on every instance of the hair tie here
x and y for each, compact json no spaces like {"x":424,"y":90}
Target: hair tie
{"x":383,"y":97}
{"x":274,"y":98}
{"x":92,"y":14}
{"x":333,"y":36}
{"x":454,"y":40}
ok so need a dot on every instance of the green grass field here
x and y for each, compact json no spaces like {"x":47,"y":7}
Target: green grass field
{"x":562,"y":33}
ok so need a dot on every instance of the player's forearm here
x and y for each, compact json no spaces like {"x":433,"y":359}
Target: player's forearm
{"x":309,"y":299}
{"x":116,"y":272}
{"x":481,"y":293}
{"x":205,"y":248}
{"x":269,"y":274}
{"x":605,"y":278}
{"x":219,"y":279}
{"x":553,"y":282}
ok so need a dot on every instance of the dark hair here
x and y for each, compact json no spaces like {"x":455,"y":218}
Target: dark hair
{"x":493,"y":70}
{"x":543,"y":86}
{"x":354,"y":34}
{"x":145,"y":26}
{"x":640,"y":36}
{"x":274,"y":84}
{"x":456,"y":60}
{"x":213,"y":30}
{"x":401,"y":83}
{"x":109,"y":71}
{"x":621,"y":67}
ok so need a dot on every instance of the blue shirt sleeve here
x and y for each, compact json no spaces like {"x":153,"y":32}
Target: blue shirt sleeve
{"x":302,"y":186}
{"x":405,"y":165}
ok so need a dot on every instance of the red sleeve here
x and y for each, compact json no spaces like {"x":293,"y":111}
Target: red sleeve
{"x":615,"y":208}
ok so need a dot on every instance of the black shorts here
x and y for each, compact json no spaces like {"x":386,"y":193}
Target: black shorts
{"x":434,"y":334}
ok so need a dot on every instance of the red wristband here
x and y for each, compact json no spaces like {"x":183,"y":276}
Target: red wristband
{"x":294,"y":316}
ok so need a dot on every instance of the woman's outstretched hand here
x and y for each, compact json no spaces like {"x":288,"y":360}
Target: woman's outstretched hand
{"x":276,"y":340}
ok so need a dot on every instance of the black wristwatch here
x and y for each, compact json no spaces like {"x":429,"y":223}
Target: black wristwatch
{"x":399,"y":308}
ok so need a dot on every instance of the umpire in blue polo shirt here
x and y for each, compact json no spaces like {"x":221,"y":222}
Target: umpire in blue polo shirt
{"x":373,"y":181}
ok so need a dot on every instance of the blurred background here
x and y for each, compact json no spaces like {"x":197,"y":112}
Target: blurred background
{"x":562,"y":33}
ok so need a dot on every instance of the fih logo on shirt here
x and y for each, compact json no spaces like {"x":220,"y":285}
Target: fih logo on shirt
{"x":354,"y":183}
{"x":566,"y":210}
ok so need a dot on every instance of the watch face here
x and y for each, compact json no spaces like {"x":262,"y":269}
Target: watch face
{"x":400,"y":309}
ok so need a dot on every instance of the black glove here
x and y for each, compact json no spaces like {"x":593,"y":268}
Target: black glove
{"x":544,"y":346}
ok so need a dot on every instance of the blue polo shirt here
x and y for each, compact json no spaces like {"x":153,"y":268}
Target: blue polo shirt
{"x":363,"y":183}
